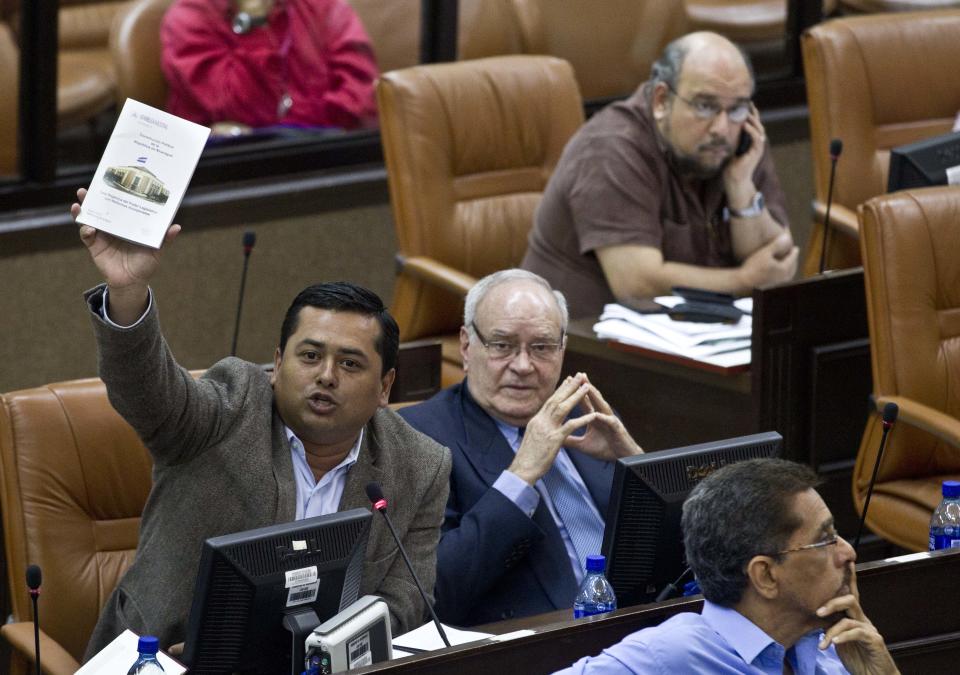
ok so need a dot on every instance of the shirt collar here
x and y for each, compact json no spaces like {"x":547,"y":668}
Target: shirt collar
{"x":510,"y":433}
{"x":749,"y":640}
{"x":297,"y":445}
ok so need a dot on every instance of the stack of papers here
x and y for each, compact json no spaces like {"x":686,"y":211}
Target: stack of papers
{"x":426,"y":639}
{"x":719,"y":344}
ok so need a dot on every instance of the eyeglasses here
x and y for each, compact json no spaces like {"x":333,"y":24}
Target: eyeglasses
{"x":502,"y":350}
{"x":832,"y":540}
{"x":708,"y":109}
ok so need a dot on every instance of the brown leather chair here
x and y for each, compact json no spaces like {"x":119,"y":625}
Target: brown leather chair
{"x":9,"y":114}
{"x":73,"y":481}
{"x":744,"y":21}
{"x":875,"y":82}
{"x":469,"y":147}
{"x":611,"y":44}
{"x":135,"y":48}
{"x":909,"y":241}
{"x":869,"y":6}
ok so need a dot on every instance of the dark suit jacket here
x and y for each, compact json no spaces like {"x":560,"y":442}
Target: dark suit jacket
{"x":494,"y":562}
{"x":222,"y":464}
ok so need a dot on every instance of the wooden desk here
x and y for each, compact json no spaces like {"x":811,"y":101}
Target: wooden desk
{"x":809,"y":380}
{"x":664,"y":404}
{"x":911,"y":601}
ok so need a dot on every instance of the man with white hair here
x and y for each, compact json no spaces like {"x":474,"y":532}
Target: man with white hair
{"x":527,"y":497}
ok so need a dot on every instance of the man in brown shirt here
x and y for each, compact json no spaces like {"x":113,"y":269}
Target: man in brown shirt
{"x":650,"y":194}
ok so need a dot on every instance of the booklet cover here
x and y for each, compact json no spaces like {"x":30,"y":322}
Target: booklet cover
{"x":143,"y":174}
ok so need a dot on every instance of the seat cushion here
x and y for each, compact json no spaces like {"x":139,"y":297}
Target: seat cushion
{"x":85,"y":85}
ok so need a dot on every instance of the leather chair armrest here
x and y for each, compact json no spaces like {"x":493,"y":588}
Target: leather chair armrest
{"x":435,"y":272}
{"x":841,"y":218}
{"x":921,"y":416}
{"x":55,"y":659}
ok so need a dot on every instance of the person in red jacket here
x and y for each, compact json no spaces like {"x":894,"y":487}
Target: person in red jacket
{"x":268,"y":62}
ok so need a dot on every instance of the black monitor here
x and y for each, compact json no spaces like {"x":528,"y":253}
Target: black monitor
{"x":642,"y":540}
{"x":924,"y":163}
{"x":260,"y":593}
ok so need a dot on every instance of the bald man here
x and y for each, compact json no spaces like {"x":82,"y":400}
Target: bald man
{"x":651,"y":193}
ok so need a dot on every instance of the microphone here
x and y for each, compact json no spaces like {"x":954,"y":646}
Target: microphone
{"x":890,"y":412}
{"x":34,"y":577}
{"x":836,"y":147}
{"x":375,"y":494}
{"x":249,"y":239}
{"x":670,"y":589}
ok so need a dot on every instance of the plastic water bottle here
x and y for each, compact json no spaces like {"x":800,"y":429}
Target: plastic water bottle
{"x":596,"y":594}
{"x":945,"y":523}
{"x":146,"y":663}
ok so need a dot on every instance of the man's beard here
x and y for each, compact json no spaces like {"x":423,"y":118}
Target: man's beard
{"x":691,"y":167}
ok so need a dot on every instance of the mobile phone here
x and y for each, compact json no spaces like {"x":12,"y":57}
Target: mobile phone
{"x":744,"y":144}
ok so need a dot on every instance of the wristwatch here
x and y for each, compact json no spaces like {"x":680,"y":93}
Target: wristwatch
{"x":755,"y":209}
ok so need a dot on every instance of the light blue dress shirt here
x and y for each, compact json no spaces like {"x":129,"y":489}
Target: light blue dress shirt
{"x":318,"y":498}
{"x":718,"y":640}
{"x":527,"y":498}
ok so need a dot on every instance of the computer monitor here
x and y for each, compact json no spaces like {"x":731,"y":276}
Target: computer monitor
{"x":924,"y":163}
{"x":642,"y":541}
{"x":260,"y":593}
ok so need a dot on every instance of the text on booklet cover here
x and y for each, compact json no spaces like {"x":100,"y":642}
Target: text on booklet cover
{"x":143,"y":174}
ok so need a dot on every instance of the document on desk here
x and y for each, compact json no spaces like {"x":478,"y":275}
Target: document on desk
{"x":426,"y":638}
{"x":143,"y":174}
{"x":723,"y":345}
{"x":119,"y":655}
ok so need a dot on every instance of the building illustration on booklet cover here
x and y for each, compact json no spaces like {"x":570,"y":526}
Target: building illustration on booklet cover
{"x":137,"y":181}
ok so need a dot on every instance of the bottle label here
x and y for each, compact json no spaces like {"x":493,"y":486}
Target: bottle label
{"x":941,"y":541}
{"x":599,"y":608}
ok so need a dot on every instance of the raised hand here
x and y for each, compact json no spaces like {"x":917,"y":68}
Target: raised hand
{"x":549,"y":428}
{"x":859,"y":644}
{"x":127,"y":268}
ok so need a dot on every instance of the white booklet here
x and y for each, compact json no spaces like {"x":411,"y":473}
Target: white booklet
{"x":143,"y":174}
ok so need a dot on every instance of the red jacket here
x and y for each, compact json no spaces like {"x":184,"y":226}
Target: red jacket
{"x":317,"y":51}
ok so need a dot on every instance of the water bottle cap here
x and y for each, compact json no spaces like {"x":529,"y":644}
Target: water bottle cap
{"x":596,"y":563}
{"x":148,"y":645}
{"x":951,"y":488}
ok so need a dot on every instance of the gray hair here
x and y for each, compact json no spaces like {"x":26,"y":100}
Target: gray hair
{"x":480,"y":289}
{"x":740,"y":511}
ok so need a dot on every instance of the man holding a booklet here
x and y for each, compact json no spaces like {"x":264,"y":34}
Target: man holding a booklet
{"x":241,"y":448}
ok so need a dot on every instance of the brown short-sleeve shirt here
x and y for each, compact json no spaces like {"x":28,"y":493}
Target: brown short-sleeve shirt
{"x":614,"y":185}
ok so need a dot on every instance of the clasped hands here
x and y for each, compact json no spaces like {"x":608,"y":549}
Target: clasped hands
{"x":604,"y":435}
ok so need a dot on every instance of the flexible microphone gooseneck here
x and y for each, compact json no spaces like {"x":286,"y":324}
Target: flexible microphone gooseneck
{"x":670,"y":589}
{"x":375,"y":494}
{"x":249,"y":239}
{"x":836,"y":147}
{"x":34,"y":578}
{"x":890,"y":412}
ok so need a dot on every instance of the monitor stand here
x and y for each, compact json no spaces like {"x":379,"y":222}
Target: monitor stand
{"x":300,"y":624}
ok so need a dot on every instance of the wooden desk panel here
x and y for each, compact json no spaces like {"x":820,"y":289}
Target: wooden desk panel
{"x":912,"y":601}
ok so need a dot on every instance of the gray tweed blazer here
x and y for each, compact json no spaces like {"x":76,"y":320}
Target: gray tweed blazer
{"x":222,"y":464}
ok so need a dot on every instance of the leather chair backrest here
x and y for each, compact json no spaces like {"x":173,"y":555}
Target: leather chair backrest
{"x":611,"y":44}
{"x":877,"y":82}
{"x":469,"y":148}
{"x":909,"y":242}
{"x":485,"y":28}
{"x":9,"y":69}
{"x":75,"y":478}
{"x":135,"y":44}
{"x":86,"y":24}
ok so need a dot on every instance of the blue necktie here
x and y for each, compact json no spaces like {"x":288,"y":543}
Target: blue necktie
{"x":575,"y":513}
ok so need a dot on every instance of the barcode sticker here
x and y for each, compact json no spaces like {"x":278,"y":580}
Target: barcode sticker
{"x":304,"y":575}
{"x":358,"y":652}
{"x":300,"y":595}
